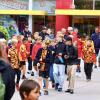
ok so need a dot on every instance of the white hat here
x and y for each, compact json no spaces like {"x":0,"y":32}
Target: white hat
{"x":2,"y":40}
{"x":69,"y":28}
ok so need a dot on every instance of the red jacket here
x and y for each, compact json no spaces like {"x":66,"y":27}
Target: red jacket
{"x":35,"y":49}
{"x":74,"y":36}
{"x":18,"y":45}
{"x":79,"y":47}
{"x":28,"y":46}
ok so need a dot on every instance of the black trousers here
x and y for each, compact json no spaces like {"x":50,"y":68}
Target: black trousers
{"x":88,"y":70}
{"x":18,"y":73}
{"x":29,"y":63}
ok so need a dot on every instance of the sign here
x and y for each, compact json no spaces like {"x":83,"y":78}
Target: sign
{"x":14,"y":4}
{"x":47,"y":5}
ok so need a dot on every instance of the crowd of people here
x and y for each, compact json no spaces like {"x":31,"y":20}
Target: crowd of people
{"x":48,"y":55}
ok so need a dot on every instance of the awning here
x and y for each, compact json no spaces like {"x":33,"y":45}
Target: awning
{"x":23,"y":12}
{"x":77,"y":12}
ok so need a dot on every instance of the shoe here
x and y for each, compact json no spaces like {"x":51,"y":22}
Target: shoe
{"x":71,"y":92}
{"x":88,"y":80}
{"x":95,"y":66}
{"x":68,"y":90}
{"x":44,"y":87}
{"x":59,"y":89}
{"x":67,"y":79}
{"x":56,"y":86}
{"x":17,"y":87}
{"x":53,"y":85}
{"x":28,"y":73}
{"x":46,"y":92}
{"x":32,"y":74}
{"x":23,"y":77}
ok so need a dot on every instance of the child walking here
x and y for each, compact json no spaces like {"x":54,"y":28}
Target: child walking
{"x":89,"y":58}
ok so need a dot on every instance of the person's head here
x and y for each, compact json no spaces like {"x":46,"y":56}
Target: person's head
{"x":26,"y":28}
{"x":59,"y":39}
{"x":44,"y":45}
{"x":29,"y":90}
{"x":89,"y":42}
{"x":63,"y":30}
{"x":2,"y":53}
{"x":48,"y":42}
{"x":68,"y":41}
{"x":29,"y":39}
{"x":44,"y":29}
{"x":24,"y":40}
{"x":97,"y":30}
{"x":36,"y":34}
{"x":39,"y":39}
{"x":19,"y":37}
{"x":87,"y":37}
{"x":3,"y":42}
{"x":14,"y":42}
{"x":76,"y":30}
{"x":59,"y":34}
{"x":70,"y":30}
{"x":49,"y":31}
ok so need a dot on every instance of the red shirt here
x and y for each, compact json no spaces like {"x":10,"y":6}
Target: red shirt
{"x":79,"y":47}
{"x":28,"y":45}
{"x":35,"y":49}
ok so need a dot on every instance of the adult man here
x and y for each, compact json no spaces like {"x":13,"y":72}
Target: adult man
{"x":59,"y":64}
{"x":71,"y":59}
{"x":43,"y":33}
{"x":26,"y":32}
{"x":96,"y":39}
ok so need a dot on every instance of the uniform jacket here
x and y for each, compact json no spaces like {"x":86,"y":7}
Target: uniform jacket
{"x":47,"y":60}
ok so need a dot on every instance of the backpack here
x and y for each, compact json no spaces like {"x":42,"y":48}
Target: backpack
{"x":2,"y":88}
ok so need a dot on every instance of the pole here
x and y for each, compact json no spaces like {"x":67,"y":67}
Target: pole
{"x":93,"y":4}
{"x":30,"y":22}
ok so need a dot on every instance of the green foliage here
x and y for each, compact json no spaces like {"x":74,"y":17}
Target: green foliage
{"x":4,"y":31}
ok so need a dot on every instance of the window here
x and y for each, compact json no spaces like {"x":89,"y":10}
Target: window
{"x":97,"y":4}
{"x":83,"y":4}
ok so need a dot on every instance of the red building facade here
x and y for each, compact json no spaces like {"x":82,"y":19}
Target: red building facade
{"x":63,"y":21}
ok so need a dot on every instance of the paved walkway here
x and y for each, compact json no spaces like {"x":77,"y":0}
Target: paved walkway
{"x":83,"y":90}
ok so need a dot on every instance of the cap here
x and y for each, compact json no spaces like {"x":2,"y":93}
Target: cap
{"x":67,"y":38}
{"x":69,"y":28}
{"x":44,"y":28}
{"x":26,"y":26}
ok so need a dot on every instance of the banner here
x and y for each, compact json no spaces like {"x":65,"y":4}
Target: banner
{"x":14,"y":4}
{"x":47,"y":5}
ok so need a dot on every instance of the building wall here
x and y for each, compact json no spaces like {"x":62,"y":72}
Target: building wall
{"x":63,"y":21}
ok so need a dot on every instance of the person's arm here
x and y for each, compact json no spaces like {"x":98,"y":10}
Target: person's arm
{"x":9,"y":57}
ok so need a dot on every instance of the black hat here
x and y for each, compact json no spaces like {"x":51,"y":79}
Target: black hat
{"x":67,"y":38}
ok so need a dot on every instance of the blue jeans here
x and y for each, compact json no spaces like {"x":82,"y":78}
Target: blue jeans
{"x":59,"y":74}
{"x":51,"y":74}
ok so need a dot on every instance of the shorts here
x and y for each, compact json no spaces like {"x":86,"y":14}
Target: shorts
{"x":35,"y":63}
{"x":44,"y":74}
{"x":22,"y":63}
